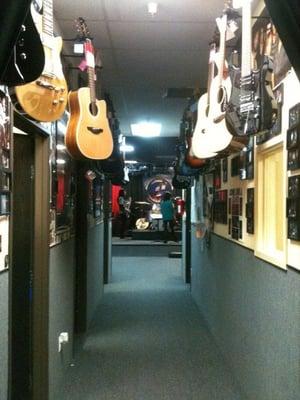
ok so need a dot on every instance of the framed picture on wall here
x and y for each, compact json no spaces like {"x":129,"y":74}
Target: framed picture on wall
{"x":266,"y":41}
{"x":4,"y":203}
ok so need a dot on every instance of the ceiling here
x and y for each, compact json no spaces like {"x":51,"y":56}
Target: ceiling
{"x":142,"y":55}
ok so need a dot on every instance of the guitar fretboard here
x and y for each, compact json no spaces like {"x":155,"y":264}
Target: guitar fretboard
{"x":221,"y":58}
{"x":48,"y":17}
{"x":246,"y":39}
{"x":91,"y":77}
{"x":211,"y":70}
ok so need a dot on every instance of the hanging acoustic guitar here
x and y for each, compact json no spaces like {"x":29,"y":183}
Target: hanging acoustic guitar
{"x":45,"y":99}
{"x":88,"y":132}
{"x":211,"y":134}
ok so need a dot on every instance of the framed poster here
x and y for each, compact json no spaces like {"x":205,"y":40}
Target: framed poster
{"x":266,"y":41}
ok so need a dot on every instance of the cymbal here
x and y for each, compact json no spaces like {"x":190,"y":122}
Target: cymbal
{"x":144,"y":203}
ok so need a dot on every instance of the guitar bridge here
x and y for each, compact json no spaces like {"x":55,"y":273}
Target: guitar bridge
{"x":95,"y":131}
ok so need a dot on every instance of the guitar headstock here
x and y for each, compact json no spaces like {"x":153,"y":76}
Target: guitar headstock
{"x":82,"y":29}
{"x":231,"y":11}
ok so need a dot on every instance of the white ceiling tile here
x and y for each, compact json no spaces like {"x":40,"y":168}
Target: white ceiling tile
{"x":164,"y":35}
{"x":68,"y":9}
{"x":162,"y":68}
{"x":153,"y":107}
{"x":168,"y":10}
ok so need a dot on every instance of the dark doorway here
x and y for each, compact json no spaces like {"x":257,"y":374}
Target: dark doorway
{"x":29,"y":279}
{"x":22,"y":268}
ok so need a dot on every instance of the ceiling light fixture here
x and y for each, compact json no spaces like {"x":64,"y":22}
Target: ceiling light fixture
{"x":127,"y":148}
{"x":152,"y":8}
{"x":146,"y":129}
{"x":240,"y":3}
{"x":60,"y":147}
{"x":130,"y":162}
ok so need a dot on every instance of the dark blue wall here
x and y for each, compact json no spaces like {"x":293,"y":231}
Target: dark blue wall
{"x":61,"y":312}
{"x":253,"y":311}
{"x":3,"y":334}
{"x":61,"y":308}
{"x":95,"y":286}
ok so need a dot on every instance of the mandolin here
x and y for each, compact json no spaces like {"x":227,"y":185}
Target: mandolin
{"x":88,"y":132}
{"x":45,"y":99}
{"x":252,"y":106}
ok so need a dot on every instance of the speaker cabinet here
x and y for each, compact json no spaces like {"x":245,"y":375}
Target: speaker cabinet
{"x":250,"y":210}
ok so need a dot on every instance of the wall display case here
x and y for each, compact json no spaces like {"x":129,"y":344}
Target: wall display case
{"x":293,"y":208}
{"x":62,"y":185}
{"x":95,"y":198}
{"x":246,"y":162}
{"x":225,"y":170}
{"x":250,"y":211}
{"x":236,"y":212}
{"x":277,"y":127}
{"x":220,"y":206}
{"x":294,"y":115}
{"x":293,"y":139}
{"x":235,"y":166}
{"x":5,"y":175}
{"x":217,"y":174}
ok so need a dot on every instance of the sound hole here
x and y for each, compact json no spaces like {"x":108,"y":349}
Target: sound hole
{"x":93,"y":108}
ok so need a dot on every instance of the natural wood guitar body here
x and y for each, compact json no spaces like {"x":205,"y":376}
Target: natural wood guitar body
{"x":88,"y":135}
{"x":45,"y":99}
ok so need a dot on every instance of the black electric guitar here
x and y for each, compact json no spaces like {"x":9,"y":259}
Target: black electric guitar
{"x":252,"y":105}
{"x":26,"y":60}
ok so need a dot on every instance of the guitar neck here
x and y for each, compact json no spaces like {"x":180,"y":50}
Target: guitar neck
{"x":92,"y":87}
{"x":246,"y":40}
{"x":211,"y":70}
{"x":48,"y":17}
{"x":222,"y":49}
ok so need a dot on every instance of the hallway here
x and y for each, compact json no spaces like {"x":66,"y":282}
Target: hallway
{"x":148,"y":341}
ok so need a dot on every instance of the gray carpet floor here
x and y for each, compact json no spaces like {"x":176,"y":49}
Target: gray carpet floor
{"x":148,"y":341}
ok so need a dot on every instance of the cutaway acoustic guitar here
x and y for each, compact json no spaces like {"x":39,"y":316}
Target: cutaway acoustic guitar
{"x":88,"y":133}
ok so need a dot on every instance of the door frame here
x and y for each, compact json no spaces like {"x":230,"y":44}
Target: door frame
{"x":40,"y":303}
{"x":41,"y":270}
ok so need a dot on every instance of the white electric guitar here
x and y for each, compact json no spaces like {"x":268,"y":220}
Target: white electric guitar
{"x":211,"y":134}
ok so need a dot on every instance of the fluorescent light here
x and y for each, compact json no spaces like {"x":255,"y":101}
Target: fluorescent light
{"x":78,"y":48}
{"x":130,"y":162}
{"x":126,"y":148}
{"x":152,"y":8}
{"x":240,"y":3}
{"x":60,"y":147}
{"x":146,"y":129}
